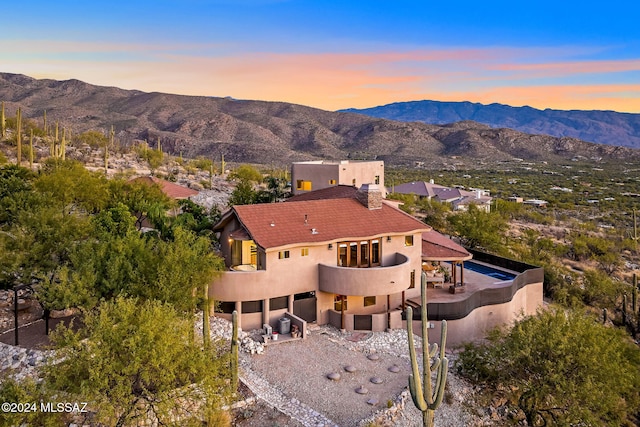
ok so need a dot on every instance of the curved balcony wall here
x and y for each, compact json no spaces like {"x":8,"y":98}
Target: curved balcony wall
{"x":383,"y":280}
{"x":493,"y":295}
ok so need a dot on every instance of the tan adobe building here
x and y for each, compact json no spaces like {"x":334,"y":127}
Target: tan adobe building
{"x":326,"y":260}
{"x":346,"y":257}
{"x":317,"y":175}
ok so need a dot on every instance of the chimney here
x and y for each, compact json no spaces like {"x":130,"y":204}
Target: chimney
{"x":370,"y":196}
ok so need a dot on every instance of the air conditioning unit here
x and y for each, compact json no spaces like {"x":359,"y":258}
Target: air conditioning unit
{"x":267,"y":329}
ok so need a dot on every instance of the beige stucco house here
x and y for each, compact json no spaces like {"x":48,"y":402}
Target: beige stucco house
{"x":327,"y":260}
{"x":320,"y":174}
{"x":345,"y":256}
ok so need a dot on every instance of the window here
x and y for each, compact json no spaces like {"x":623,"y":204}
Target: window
{"x":369,"y":301}
{"x":225,"y":307}
{"x":304,"y":252}
{"x":279,"y":303}
{"x":408,"y":240}
{"x":412,"y":283}
{"x":375,"y":252}
{"x":376,"y":179}
{"x":364,"y":253}
{"x":332,"y":182}
{"x":340,"y":303}
{"x":301,"y":184}
{"x":283,"y":254}
{"x":252,"y":306}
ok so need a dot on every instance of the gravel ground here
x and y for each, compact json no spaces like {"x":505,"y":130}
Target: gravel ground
{"x":299,"y":370}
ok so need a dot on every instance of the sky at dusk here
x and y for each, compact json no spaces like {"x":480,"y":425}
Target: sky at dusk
{"x":338,"y":54}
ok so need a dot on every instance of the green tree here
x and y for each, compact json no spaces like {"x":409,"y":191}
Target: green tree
{"x":246,"y":173}
{"x":436,"y":214}
{"x":479,"y":229}
{"x":134,"y":361}
{"x":243,"y":194}
{"x":29,"y":391}
{"x":561,"y":368}
{"x":153,"y":157}
{"x":72,"y":187}
{"x":92,"y":138}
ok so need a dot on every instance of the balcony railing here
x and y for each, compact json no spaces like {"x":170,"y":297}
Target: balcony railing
{"x":382,"y":280}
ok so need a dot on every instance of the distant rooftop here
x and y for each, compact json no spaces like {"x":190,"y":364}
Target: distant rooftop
{"x":335,"y":162}
{"x":172,"y":190}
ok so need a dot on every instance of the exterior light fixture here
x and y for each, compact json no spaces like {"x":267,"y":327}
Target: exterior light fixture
{"x":388,"y":238}
{"x":330,"y":246}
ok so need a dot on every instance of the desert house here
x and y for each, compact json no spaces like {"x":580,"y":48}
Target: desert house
{"x":458,"y":199}
{"x":345,"y":256}
{"x":318,"y":259}
{"x":320,"y":174}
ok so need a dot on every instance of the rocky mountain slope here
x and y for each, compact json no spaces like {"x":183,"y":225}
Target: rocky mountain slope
{"x":276,"y":132}
{"x":604,"y":127}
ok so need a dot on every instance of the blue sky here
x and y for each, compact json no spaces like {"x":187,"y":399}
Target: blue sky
{"x":332,"y":55}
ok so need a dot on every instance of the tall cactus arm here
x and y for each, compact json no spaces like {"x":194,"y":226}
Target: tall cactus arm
{"x":415,"y":385}
{"x":441,"y":383}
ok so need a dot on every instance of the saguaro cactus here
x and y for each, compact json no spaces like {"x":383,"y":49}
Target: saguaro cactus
{"x":63,"y":144}
{"x":206,"y":327}
{"x":427,"y":397}
{"x":31,"y":149}
{"x":3,"y":120}
{"x":234,"y":352}
{"x":634,"y":295}
{"x":19,"y":136}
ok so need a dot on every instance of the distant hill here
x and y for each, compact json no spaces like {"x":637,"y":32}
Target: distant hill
{"x":277,"y":132}
{"x":603,"y":127}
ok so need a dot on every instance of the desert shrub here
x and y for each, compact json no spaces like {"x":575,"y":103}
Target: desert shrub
{"x":560,"y":368}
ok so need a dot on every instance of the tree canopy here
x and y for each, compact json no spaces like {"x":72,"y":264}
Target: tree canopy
{"x":137,"y":360}
{"x":561,"y":368}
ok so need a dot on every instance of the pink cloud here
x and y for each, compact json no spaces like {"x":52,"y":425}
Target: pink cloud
{"x":333,"y":80}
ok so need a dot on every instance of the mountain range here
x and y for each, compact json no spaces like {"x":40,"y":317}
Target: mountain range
{"x":604,"y":127}
{"x":278,"y":133}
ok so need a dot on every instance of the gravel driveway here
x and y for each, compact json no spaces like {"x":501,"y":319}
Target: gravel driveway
{"x":298,"y":372}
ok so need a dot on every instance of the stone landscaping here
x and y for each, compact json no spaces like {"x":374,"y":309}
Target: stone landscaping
{"x":303,"y":393}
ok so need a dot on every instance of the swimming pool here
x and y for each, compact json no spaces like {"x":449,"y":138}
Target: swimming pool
{"x":488,"y":271}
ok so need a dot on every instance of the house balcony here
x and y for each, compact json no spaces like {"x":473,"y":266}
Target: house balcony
{"x":382,"y":280}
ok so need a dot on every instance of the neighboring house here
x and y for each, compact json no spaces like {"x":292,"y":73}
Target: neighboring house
{"x":173,"y":191}
{"x":457,"y":198}
{"x":324,"y":260}
{"x":536,"y":202}
{"x":317,"y":175}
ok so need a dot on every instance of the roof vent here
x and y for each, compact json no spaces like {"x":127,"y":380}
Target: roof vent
{"x":314,"y":231}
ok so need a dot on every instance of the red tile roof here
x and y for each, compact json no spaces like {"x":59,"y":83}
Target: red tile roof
{"x":436,"y":247}
{"x":274,"y":225}
{"x":172,"y":190}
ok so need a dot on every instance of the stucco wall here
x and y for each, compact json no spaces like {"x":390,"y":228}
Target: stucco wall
{"x":343,"y":173}
{"x":478,"y":322}
{"x":298,"y":274}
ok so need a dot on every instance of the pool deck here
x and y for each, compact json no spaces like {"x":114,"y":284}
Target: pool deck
{"x":473,"y":282}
